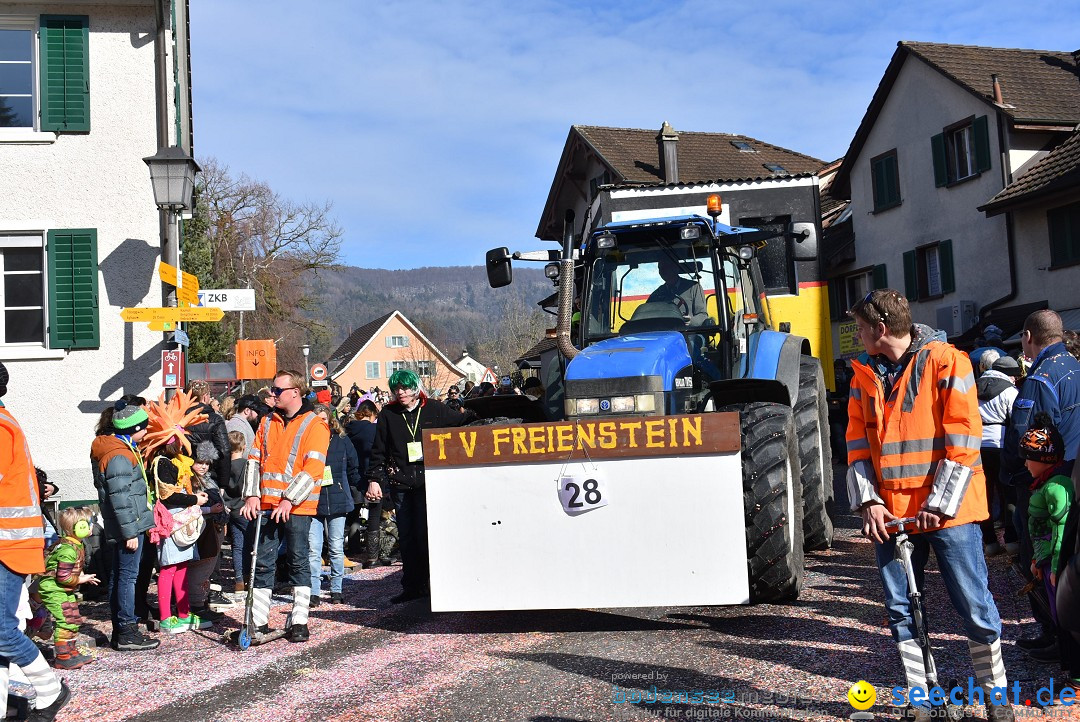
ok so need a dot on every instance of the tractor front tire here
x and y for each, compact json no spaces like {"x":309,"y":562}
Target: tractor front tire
{"x":772,"y":500}
{"x":815,"y":456}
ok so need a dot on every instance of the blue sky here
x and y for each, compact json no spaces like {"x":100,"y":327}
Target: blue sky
{"x":435,"y":127}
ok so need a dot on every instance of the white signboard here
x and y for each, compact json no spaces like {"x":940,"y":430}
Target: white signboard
{"x":228,"y":299}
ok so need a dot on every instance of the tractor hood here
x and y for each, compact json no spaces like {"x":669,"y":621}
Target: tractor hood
{"x":656,"y":353}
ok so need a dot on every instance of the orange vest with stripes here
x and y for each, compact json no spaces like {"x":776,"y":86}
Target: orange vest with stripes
{"x":22,"y":541}
{"x":932,"y":414}
{"x":283,"y":450}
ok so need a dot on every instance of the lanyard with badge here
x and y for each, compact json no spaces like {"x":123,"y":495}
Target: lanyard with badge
{"x":414,"y":448}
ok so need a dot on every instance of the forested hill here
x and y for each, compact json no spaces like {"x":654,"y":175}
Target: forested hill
{"x":453,"y":306}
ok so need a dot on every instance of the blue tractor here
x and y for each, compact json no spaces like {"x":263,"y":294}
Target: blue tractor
{"x":669,"y":316}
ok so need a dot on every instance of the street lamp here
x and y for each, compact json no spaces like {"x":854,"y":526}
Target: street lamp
{"x":306,"y":349}
{"x":172,"y":174}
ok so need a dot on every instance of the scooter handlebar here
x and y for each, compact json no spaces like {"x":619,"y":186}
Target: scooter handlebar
{"x":899,"y":524}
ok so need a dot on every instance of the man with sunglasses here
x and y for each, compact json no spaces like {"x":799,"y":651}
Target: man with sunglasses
{"x":281,"y":481}
{"x":913,"y":441}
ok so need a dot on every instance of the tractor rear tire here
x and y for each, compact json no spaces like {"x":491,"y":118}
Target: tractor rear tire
{"x":772,"y":500}
{"x":815,"y":456}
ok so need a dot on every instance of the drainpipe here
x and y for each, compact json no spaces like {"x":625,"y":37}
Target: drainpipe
{"x":566,"y":289}
{"x":1006,"y":179}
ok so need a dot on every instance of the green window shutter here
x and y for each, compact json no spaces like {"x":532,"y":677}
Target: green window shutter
{"x":945,"y":261}
{"x":982,"y":143}
{"x":73,"y":288}
{"x":881,"y":276}
{"x":877,"y":170}
{"x":941,"y":171}
{"x":65,"y":73}
{"x":911,"y":277}
{"x":892,"y":181}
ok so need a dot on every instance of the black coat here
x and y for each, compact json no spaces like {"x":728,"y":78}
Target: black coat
{"x":214,"y":431}
{"x":392,"y":435}
{"x":362,"y":436}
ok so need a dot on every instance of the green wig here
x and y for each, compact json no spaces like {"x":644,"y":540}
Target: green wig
{"x":404,"y":379}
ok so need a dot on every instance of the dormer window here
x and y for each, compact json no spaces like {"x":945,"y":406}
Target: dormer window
{"x":743,"y":147}
{"x":775,"y":168}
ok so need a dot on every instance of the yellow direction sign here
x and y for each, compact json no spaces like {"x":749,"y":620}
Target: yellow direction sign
{"x":165,"y":315}
{"x":162,"y":325}
{"x":168,"y":274}
{"x":188,"y":295}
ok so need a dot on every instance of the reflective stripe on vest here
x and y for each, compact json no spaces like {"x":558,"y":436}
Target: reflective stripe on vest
{"x":295,"y":450}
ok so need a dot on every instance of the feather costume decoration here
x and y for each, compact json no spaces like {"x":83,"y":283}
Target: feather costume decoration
{"x":171,"y":419}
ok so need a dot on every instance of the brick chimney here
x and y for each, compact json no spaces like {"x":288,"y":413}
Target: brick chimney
{"x":667,"y":143}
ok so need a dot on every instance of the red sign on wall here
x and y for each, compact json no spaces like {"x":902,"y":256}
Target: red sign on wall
{"x":172,"y":369}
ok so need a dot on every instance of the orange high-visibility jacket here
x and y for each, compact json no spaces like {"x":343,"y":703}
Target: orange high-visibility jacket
{"x":918,"y":447}
{"x":284,"y":450}
{"x":22,"y":540}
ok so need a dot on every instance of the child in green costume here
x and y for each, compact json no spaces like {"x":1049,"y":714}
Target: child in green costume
{"x":1043,"y":451}
{"x":63,"y":575}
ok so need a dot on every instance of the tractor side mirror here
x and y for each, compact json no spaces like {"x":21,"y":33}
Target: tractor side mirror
{"x":805,"y":236}
{"x":499,"y":271}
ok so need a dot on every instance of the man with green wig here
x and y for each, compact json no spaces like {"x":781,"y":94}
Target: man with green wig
{"x":397,"y":464}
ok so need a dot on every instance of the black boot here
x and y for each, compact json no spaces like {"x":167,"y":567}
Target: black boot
{"x":49,"y":713}
{"x":128,"y":638}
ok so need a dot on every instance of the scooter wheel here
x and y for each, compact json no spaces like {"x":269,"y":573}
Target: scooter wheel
{"x":244,"y":639}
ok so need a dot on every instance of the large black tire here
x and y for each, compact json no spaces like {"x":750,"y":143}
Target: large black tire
{"x":815,"y":456}
{"x":772,"y":500}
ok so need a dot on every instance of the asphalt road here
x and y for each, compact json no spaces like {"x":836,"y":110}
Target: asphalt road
{"x":370,"y":660}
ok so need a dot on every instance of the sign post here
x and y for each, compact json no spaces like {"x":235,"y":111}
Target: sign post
{"x":318,"y":373}
{"x":172,"y":369}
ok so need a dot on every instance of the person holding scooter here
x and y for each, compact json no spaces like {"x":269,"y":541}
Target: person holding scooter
{"x":913,"y":440}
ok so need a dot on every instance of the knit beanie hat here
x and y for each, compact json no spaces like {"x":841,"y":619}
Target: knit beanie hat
{"x":206,"y":451}
{"x":3,"y":379}
{"x":1007,"y":365}
{"x":1042,"y":441}
{"x":129,"y":419}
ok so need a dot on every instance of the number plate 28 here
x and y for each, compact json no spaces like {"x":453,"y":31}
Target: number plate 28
{"x":582,"y":492}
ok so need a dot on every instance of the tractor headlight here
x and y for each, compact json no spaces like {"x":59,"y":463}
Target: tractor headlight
{"x":746,"y":252}
{"x":622,"y":404}
{"x":582,"y":407}
{"x":645,"y":402}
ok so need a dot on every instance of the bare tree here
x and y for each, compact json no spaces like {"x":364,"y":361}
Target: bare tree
{"x":517,"y":329}
{"x":248,"y":236}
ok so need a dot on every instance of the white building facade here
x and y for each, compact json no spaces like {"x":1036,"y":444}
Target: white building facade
{"x":80,"y":236}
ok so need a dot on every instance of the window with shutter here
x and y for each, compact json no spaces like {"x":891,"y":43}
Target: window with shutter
{"x":73,"y":288}
{"x":371,"y":369}
{"x":928,"y":271}
{"x":885,"y":172}
{"x":1064,"y":226}
{"x":65,"y":73}
{"x":17,"y":60}
{"x":961,"y":151}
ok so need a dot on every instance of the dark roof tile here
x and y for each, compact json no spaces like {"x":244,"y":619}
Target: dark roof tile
{"x":703,"y":157}
{"x":358,"y":339}
{"x":1057,"y":170}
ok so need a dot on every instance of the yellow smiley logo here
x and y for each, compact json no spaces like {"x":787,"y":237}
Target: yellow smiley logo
{"x":862,"y":695}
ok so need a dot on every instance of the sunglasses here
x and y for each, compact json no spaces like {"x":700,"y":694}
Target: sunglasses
{"x":868,"y":300}
{"x":278,"y":392}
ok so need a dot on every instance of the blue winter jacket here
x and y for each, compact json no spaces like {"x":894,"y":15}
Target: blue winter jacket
{"x":1052,"y":385}
{"x":341,"y":462}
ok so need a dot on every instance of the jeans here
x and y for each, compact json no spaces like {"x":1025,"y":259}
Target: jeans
{"x":413,"y":538}
{"x":122,"y":582}
{"x":242,"y":532}
{"x":14,"y":645}
{"x":295,"y":533}
{"x":335,"y":526}
{"x":963,"y":568}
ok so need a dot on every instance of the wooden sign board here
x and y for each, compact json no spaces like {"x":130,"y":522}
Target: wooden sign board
{"x":165,"y":315}
{"x":173,"y":275}
{"x":256,"y":359}
{"x":598,"y":438}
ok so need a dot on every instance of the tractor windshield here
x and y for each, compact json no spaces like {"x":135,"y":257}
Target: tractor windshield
{"x":651,"y":283}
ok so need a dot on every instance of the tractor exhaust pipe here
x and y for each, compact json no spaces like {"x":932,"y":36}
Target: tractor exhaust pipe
{"x":566,"y":289}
